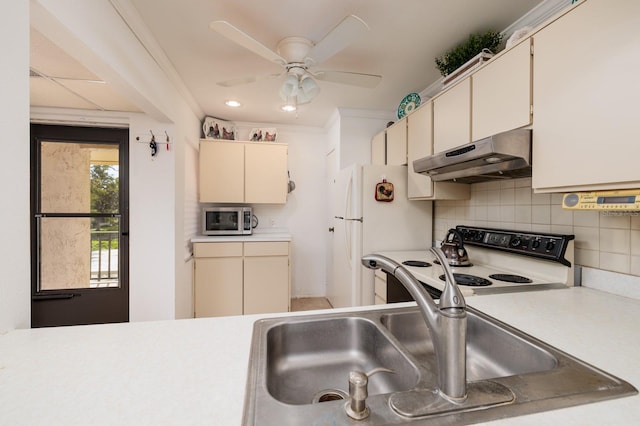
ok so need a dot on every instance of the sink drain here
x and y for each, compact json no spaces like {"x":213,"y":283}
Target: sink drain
{"x":329,"y":395}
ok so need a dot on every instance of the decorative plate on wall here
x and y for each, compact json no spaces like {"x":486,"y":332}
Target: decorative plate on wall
{"x":408,"y":104}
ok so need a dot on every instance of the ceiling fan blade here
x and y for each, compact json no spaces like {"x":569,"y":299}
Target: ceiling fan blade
{"x":346,"y":32}
{"x":246,"y":80}
{"x":368,"y":81}
{"x":241,"y":38}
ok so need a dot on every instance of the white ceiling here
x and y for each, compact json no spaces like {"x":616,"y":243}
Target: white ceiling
{"x":404,"y":38}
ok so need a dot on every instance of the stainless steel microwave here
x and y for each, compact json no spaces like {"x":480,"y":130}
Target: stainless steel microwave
{"x":227,"y":221}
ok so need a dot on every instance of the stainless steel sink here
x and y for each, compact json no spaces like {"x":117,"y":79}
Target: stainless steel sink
{"x":309,"y":361}
{"x":299,"y":366}
{"x":492,"y":350}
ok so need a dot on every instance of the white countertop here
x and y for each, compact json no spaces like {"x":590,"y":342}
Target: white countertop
{"x":193,"y":372}
{"x":255,"y":237}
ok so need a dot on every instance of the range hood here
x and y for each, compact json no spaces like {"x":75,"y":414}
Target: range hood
{"x":503,"y":156}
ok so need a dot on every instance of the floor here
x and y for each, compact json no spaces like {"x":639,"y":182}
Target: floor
{"x":309,"y":304}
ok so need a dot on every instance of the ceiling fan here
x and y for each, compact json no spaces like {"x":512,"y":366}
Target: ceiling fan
{"x":298,"y":55}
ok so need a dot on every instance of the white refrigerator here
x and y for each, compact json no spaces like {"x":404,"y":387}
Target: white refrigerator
{"x":363,"y":225}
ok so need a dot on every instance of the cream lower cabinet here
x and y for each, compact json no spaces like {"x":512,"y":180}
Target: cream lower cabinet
{"x":380,"y":286}
{"x":585,"y":92}
{"x":266,"y":277}
{"x":218,"y":279}
{"x":243,"y":172}
{"x":241,"y":278}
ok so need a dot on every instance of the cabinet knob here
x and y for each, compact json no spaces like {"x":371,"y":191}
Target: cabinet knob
{"x":331,"y":229}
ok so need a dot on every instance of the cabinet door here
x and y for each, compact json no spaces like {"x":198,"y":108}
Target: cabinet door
{"x":419,"y":144}
{"x":397,"y":143}
{"x":501,"y":93}
{"x":379,"y":149}
{"x":221,"y":172}
{"x":265,"y":173}
{"x":452,"y":117}
{"x":218,"y":286}
{"x":266,"y":284}
{"x":586,"y":91}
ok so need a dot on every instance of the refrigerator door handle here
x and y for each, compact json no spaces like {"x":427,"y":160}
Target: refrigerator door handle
{"x":347,"y":210}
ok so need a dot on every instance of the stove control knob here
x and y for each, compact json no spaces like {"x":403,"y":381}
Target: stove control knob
{"x":550,"y":245}
{"x":479,"y":236}
{"x":516,"y":242}
{"x":535,"y":244}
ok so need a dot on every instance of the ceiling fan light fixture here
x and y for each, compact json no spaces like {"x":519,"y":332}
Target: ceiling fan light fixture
{"x":309,"y":89}
{"x":291,"y":104}
{"x":290,"y":87}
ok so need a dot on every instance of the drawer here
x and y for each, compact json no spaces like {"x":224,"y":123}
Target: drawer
{"x":381,"y":287}
{"x":217,"y":249}
{"x":267,"y":248}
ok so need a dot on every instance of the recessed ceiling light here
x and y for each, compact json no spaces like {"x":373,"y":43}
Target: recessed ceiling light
{"x":288,"y":108}
{"x":233,"y":104}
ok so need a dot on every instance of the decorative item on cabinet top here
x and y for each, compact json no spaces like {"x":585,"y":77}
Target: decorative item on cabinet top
{"x":468,"y":55}
{"x":408,"y":104}
{"x":214,"y":128}
{"x":263,"y":135}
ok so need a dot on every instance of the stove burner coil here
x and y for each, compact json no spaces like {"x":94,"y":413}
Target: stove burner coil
{"x":417,"y":263}
{"x":510,"y":278}
{"x":469,"y":280}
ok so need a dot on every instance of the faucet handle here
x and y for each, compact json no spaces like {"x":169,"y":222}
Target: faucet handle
{"x":356,"y":407}
{"x":451,"y":297}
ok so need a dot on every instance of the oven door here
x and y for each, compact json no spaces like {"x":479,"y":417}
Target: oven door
{"x":396,"y":292}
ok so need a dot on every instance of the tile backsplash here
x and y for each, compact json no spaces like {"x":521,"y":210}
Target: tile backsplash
{"x":603,"y":240}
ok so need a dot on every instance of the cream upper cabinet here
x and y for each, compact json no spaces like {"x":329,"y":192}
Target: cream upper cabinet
{"x":221,"y":172}
{"x":501,"y":93}
{"x":379,"y":149}
{"x":586,"y":91}
{"x":420,"y":144}
{"x":397,"y":143}
{"x":243,"y":172}
{"x":452,"y":117}
{"x":265,"y":173}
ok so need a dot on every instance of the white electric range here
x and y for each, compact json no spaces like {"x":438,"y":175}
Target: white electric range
{"x":502,"y":261}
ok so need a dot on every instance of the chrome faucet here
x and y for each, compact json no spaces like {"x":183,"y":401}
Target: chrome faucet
{"x":447,"y":321}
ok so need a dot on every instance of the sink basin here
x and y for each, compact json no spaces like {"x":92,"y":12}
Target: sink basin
{"x":492,"y":351}
{"x":311,"y":360}
{"x":299,"y":366}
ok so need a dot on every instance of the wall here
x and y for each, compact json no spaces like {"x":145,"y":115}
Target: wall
{"x":14,"y":174}
{"x":603,"y":241}
{"x":95,"y":34}
{"x":304,"y":213}
{"x":357,"y":127}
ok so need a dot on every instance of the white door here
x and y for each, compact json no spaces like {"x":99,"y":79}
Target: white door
{"x":341,"y":292}
{"x":331,"y":169}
